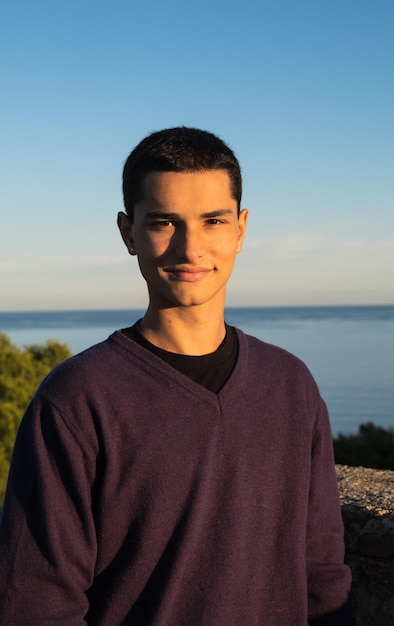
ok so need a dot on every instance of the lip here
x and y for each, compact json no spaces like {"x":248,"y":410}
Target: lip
{"x":187,"y":274}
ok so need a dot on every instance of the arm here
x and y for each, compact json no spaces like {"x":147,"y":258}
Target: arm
{"x":47,"y":537}
{"x":329,"y":580}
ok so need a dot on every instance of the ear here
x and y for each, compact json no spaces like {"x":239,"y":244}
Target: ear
{"x":242,"y":222}
{"x":126,"y":230}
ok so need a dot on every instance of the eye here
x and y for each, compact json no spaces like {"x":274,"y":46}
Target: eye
{"x":213,"y":221}
{"x":160,"y":224}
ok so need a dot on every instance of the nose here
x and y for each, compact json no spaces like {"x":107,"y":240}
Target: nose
{"x":189,"y":244}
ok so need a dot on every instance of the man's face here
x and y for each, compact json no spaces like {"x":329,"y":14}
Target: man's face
{"x":186,"y":233}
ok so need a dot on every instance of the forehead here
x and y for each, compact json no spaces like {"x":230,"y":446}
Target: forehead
{"x":206,"y":186}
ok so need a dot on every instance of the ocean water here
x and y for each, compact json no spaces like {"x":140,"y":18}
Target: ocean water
{"x":349,"y":349}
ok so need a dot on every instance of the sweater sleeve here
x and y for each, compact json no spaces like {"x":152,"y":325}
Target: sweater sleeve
{"x":329,"y":579}
{"x":47,"y":536}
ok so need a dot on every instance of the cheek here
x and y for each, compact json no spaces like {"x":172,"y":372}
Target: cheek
{"x":151,"y":250}
{"x":227,"y":245}
{"x":147,"y":246}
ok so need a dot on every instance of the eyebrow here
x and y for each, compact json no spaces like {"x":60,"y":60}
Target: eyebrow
{"x":163,"y":215}
{"x":151,"y":215}
{"x":218,"y":213}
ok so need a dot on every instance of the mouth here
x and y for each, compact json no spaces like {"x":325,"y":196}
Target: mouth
{"x":187,"y":274}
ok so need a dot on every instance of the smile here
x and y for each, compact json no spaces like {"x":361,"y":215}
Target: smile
{"x":187,"y":274}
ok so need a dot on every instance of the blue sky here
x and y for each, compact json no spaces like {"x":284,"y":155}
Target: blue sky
{"x":303,"y":91}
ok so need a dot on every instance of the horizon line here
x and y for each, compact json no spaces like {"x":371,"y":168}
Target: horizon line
{"x":230,"y":306}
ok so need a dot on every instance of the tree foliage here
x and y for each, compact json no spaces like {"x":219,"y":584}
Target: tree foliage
{"x":21,"y":371}
{"x":373,"y":446}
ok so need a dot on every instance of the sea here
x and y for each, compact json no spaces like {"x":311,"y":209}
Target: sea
{"x":349,"y":349}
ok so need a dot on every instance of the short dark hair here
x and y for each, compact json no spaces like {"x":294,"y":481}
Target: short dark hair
{"x":179,"y":149}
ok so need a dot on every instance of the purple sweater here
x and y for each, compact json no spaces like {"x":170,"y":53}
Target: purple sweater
{"x":138,"y":497}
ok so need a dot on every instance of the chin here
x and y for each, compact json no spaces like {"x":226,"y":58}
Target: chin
{"x":198,"y":299}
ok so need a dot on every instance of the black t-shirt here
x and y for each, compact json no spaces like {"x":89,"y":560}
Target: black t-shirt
{"x":209,"y":370}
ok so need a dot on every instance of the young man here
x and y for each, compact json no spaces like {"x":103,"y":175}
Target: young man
{"x":180,"y":473}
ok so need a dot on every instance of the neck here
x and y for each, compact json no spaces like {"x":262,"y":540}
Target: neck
{"x":190,"y":330}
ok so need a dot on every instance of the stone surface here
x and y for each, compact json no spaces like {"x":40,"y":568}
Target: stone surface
{"x":367,"y":500}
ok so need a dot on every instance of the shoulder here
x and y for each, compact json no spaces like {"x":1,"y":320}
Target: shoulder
{"x":91,"y":364}
{"x":272,"y":372}
{"x":84,"y":391}
{"x":269,"y":356}
{"x":92,"y":377}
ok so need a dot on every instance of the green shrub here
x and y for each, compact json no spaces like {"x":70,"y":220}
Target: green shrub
{"x":373,"y":446}
{"x":21,"y":372}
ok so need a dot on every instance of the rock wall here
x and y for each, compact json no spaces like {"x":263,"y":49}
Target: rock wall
{"x":367,"y":500}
